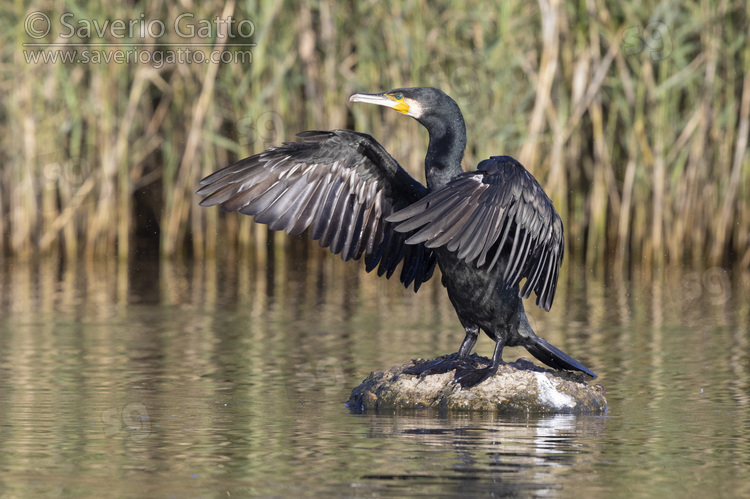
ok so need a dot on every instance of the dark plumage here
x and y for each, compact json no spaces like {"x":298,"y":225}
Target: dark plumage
{"x":488,"y":229}
{"x":340,"y":184}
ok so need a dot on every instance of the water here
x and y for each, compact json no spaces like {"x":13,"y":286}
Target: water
{"x":198,"y":380}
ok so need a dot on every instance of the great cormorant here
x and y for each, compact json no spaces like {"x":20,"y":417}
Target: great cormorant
{"x":488,"y":229}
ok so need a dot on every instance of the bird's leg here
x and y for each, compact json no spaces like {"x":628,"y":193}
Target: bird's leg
{"x":472,"y":332}
{"x":458,"y":361}
{"x":472,"y":377}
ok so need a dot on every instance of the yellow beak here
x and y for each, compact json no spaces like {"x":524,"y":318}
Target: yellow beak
{"x":381,"y":100}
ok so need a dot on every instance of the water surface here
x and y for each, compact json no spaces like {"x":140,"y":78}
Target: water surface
{"x":198,"y":380}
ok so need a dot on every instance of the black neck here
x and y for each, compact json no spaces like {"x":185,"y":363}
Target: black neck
{"x":446,"y":149}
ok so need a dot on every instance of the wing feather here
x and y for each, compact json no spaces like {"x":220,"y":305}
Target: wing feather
{"x":341,"y":185}
{"x":499,"y":213}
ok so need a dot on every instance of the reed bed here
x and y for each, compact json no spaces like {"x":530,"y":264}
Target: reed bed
{"x":634,"y":118}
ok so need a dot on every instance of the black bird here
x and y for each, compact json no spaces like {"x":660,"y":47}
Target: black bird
{"x":488,"y":229}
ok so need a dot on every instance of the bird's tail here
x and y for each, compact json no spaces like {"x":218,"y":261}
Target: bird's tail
{"x":554,"y":357}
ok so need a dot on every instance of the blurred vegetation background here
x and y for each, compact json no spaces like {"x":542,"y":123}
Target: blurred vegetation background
{"x":634,"y":118}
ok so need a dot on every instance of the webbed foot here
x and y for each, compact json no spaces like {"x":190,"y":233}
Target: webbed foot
{"x":472,"y":377}
{"x":468,"y":378}
{"x":441,"y":366}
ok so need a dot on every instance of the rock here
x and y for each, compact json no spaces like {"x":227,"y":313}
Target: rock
{"x":518,"y":387}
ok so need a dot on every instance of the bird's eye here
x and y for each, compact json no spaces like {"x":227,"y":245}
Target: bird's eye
{"x":399,"y":96}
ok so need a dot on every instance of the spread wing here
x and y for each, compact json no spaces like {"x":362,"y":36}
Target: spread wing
{"x":340,"y":184}
{"x":497,"y":209}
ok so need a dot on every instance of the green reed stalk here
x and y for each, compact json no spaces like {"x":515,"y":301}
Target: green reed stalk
{"x":634,"y":118}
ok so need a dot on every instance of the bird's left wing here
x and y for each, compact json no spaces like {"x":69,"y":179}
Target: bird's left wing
{"x":497,"y":209}
{"x":340,"y":184}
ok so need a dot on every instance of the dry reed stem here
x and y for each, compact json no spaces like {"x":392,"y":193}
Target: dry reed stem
{"x":646,"y":158}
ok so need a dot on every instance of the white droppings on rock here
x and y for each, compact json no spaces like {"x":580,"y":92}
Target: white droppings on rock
{"x":550,"y":396}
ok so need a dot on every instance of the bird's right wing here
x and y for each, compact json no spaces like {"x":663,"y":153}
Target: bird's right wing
{"x":342,"y":185}
{"x":499,"y":209}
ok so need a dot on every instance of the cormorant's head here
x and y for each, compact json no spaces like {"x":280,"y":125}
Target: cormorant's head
{"x":435,"y":111}
{"x":419,"y":102}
